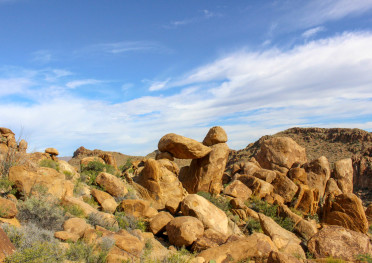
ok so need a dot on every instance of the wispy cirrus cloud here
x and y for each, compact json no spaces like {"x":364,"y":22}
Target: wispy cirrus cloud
{"x":205,"y":14}
{"x":42,"y":56}
{"x":313,"y":31}
{"x":82,"y":82}
{"x":325,"y":83}
{"x":127,"y":47}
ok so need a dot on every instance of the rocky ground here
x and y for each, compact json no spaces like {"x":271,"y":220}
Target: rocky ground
{"x":291,"y":197}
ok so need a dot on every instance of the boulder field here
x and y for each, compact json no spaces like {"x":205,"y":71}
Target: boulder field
{"x":275,"y":207}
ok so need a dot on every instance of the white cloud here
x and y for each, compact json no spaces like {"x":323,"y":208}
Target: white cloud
{"x":126,"y":46}
{"x":42,"y":56}
{"x":312,"y":31}
{"x":158,"y":85}
{"x":82,"y":82}
{"x":321,"y":83}
{"x":9,"y":86}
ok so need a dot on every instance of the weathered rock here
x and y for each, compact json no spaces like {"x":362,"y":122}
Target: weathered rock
{"x":128,"y":242}
{"x":210,"y":238}
{"x":239,"y":190}
{"x":6,"y":246}
{"x":66,"y":236}
{"x":163,"y":186}
{"x":8,"y":209}
{"x":259,"y":187}
{"x":249,"y":168}
{"x":318,"y":173}
{"x":106,"y":201}
{"x":338,"y":242}
{"x":76,"y":226}
{"x":52,"y":151}
{"x":12,"y":143}
{"x":369,"y":214}
{"x":298,"y":175}
{"x":215,"y":135}
{"x":138,"y":208}
{"x":211,"y":216}
{"x":239,"y":204}
{"x":11,"y":221}
{"x":171,"y":166}
{"x":109,"y":159}
{"x":345,"y":210}
{"x":332,"y":188}
{"x":257,"y":246}
{"x":117,"y":255}
{"x":279,"y":257}
{"x":182,"y":147}
{"x":307,"y":200}
{"x":22,"y":146}
{"x":6,"y":131}
{"x":159,"y":222}
{"x":266,"y":175}
{"x":26,"y":179}
{"x":112,"y":184}
{"x":284,"y":187}
{"x":280,"y":152}
{"x":68,"y":170}
{"x":343,"y":174}
{"x":184,"y":230}
{"x":284,"y":240}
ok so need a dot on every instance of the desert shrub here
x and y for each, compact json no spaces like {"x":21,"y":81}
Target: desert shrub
{"x":68,"y":175}
{"x":261,"y":206}
{"x":78,"y":188}
{"x":49,"y":163}
{"x":252,"y":226}
{"x":126,"y":166}
{"x":182,"y":255}
{"x":73,"y":210}
{"x":364,"y":258}
{"x":43,"y":211}
{"x":6,"y":186}
{"x":90,"y":171}
{"x":33,"y":244}
{"x":370,"y":229}
{"x":96,"y":219}
{"x":10,"y":159}
{"x":91,"y":201}
{"x":334,"y":260}
{"x":220,"y":202}
{"x":129,"y":222}
{"x":82,"y":252}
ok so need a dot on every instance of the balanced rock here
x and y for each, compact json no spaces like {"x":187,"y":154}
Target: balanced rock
{"x":279,"y":153}
{"x":215,"y":135}
{"x":343,"y":174}
{"x":345,"y":210}
{"x":205,"y":174}
{"x":340,"y":243}
{"x":52,"y":151}
{"x":184,"y":230}
{"x":182,"y":147}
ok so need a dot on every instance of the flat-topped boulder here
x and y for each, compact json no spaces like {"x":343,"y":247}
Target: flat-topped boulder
{"x":182,"y":147}
{"x":215,"y":135}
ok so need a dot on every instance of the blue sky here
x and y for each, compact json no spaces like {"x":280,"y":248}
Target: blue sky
{"x":118,"y":75}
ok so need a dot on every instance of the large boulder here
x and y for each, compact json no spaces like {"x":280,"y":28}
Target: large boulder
{"x":369,"y":214}
{"x":26,"y":180}
{"x":332,"y":188}
{"x":6,"y":246}
{"x":340,"y":243}
{"x":163,"y":186}
{"x":255,"y":247}
{"x":284,"y":187}
{"x":137,"y":208}
{"x":260,"y":188}
{"x":182,"y":147}
{"x":210,"y":215}
{"x":307,"y":200}
{"x":184,"y":230}
{"x":318,"y":173}
{"x":343,"y":174}
{"x":76,"y":226}
{"x":52,"y":151}
{"x":284,"y":240}
{"x":159,"y":222}
{"x":106,"y":201}
{"x":215,"y":135}
{"x":345,"y":210}
{"x":280,"y":153}
{"x":205,"y":174}
{"x":112,"y":184}
{"x":238,"y":189}
{"x":8,"y":208}
{"x":279,"y":257}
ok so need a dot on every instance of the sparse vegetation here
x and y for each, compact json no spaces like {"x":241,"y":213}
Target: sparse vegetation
{"x":129,"y":222}
{"x":68,"y":175}
{"x":221,"y":202}
{"x":73,"y":210}
{"x":367,"y":258}
{"x":90,"y":171}
{"x":252,"y":226}
{"x":96,"y":219}
{"x":82,"y":252}
{"x":50,"y":164}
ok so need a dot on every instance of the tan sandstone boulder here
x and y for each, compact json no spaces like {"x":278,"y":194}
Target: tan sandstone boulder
{"x":106,"y":201}
{"x":215,"y":135}
{"x":163,"y":186}
{"x":210,"y":215}
{"x":205,"y":174}
{"x":332,"y":188}
{"x":298,"y":175}
{"x":260,"y":188}
{"x":76,"y":226}
{"x":340,"y":243}
{"x":8,"y":209}
{"x":255,"y":247}
{"x":279,"y":153}
{"x":138,"y":208}
{"x":6,"y":246}
{"x":112,"y":184}
{"x":307,"y":200}
{"x":182,"y":147}
{"x":345,"y":210}
{"x":22,"y":146}
{"x":318,"y":173}
{"x":238,"y":190}
{"x":85,"y":161}
{"x":343,"y":174}
{"x":159,"y":222}
{"x":279,"y":257}
{"x":284,"y":187}
{"x":52,"y":151}
{"x":184,"y":230}
{"x":369,"y":214}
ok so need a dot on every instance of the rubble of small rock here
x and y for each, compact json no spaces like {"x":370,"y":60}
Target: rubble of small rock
{"x":277,"y":206}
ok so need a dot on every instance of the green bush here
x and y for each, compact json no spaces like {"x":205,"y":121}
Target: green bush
{"x":129,"y":222}
{"x":6,"y":186}
{"x":74,"y":210}
{"x":49,"y":163}
{"x":220,"y":202}
{"x":33,"y":244}
{"x":253,"y":225}
{"x":261,"y":206}
{"x":43,"y":211}
{"x":364,"y":258}
{"x":82,"y":252}
{"x":68,"y":175}
{"x":90,"y":171}
{"x":96,"y":219}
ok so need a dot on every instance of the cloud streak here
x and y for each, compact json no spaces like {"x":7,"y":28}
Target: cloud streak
{"x":324,"y":83}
